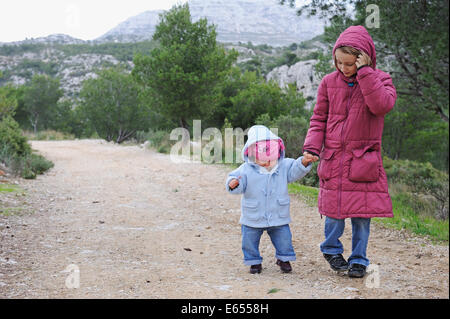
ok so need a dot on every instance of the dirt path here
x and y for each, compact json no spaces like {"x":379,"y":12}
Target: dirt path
{"x":137,"y":225}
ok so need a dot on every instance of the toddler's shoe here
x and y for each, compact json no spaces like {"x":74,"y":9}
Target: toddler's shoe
{"x":356,"y":271}
{"x":337,"y":262}
{"x":285,"y":266}
{"x":255,"y":269}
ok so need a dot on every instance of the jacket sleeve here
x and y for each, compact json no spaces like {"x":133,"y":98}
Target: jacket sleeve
{"x":378,"y":90}
{"x":297,"y":170}
{"x":240,"y":189}
{"x":318,"y":122}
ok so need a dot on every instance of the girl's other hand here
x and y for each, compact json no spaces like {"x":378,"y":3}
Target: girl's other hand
{"x":363,"y":59}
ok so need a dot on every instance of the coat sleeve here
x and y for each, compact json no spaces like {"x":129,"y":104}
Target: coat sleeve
{"x":240,"y":189}
{"x":318,"y":122}
{"x":296,"y":169}
{"x":378,"y":90}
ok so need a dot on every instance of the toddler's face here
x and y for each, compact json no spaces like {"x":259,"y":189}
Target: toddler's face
{"x":346,"y":63}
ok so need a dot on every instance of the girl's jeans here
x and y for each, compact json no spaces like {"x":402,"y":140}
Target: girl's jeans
{"x":334,"y":228}
{"x":280,"y":236}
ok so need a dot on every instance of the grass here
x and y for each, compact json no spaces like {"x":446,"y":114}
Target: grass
{"x":10,"y":189}
{"x":10,"y":211}
{"x":7,"y":188}
{"x":307,"y":193}
{"x":404,"y":216}
{"x":273,"y":290}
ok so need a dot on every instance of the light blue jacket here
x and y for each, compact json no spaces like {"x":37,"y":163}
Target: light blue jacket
{"x":265,"y":199}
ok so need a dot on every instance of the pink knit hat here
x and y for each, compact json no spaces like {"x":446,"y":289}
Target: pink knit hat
{"x":268,"y":150}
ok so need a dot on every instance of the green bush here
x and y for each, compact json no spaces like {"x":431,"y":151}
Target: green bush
{"x":12,"y":139}
{"x":38,"y":164}
{"x":428,"y":185}
{"x":27,"y":166}
{"x":16,"y":154}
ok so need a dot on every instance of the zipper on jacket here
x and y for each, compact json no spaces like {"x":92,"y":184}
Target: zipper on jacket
{"x":341,"y":171}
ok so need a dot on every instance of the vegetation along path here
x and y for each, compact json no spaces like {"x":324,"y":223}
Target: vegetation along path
{"x":113,"y":221}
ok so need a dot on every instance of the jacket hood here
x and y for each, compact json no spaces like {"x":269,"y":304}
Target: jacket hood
{"x":259,"y":133}
{"x":357,"y":37}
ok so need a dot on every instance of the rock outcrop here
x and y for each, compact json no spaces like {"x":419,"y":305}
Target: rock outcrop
{"x":301,"y":74}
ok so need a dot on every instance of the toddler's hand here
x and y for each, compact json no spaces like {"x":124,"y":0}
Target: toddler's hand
{"x":309,"y":158}
{"x":234,"y":183}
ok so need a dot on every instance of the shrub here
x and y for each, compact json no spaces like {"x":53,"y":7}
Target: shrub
{"x":12,"y":139}
{"x":16,"y":153}
{"x":428,"y":185}
{"x":38,"y":164}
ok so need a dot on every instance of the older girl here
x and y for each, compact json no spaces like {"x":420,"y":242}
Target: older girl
{"x":345,"y":132}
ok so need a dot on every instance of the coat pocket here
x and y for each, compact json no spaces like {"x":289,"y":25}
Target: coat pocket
{"x":325,"y":168}
{"x":283,"y":204}
{"x":365,"y":165}
{"x":250,"y":208}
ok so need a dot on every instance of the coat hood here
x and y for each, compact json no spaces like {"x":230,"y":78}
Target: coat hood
{"x":357,"y":37}
{"x":259,"y":133}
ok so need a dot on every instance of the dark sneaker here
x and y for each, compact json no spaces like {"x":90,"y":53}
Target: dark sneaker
{"x":337,"y":262}
{"x":255,"y":269}
{"x":356,"y":271}
{"x":285,"y":266}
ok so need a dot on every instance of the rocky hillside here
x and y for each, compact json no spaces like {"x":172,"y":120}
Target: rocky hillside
{"x":74,"y":63}
{"x":256,"y":21}
{"x":71,"y":63}
{"x":50,"y":39}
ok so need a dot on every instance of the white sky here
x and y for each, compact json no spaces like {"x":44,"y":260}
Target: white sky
{"x":82,"y":19}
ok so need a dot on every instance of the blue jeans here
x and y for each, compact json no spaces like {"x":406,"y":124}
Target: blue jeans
{"x":280,"y":236}
{"x":334,"y":228}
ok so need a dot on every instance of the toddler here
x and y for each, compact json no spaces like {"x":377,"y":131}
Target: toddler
{"x":263,"y":182}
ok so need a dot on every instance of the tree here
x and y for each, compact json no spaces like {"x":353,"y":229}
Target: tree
{"x":111,"y":105}
{"x":233,"y":83}
{"x":40,"y":98}
{"x":8,"y":102}
{"x":183,"y":73}
{"x":415,"y":134}
{"x":259,"y":97}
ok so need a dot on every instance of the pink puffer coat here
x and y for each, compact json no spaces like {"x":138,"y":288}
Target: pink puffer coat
{"x":346,"y":130}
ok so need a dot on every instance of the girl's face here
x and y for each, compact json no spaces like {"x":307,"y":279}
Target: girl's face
{"x":346,"y":63}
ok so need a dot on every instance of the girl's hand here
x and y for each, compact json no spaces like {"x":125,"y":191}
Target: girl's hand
{"x":363,"y":59}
